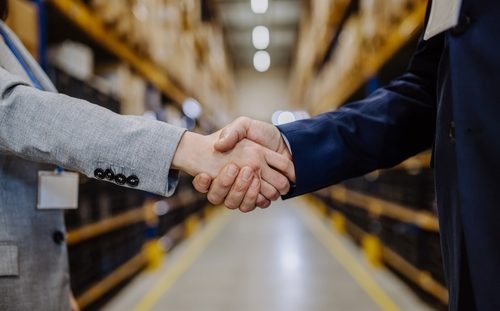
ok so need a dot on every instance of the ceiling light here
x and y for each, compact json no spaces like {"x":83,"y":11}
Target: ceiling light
{"x":191,"y":108}
{"x":260,"y":37}
{"x":259,"y":6}
{"x":261,"y":61}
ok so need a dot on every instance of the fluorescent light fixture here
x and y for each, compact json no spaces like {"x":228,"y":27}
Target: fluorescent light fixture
{"x":191,"y":108}
{"x":261,"y":61}
{"x":259,"y":6}
{"x":286,"y":117}
{"x":282,"y":117}
{"x":260,"y":37}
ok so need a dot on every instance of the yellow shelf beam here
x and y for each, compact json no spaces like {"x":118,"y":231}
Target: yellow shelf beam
{"x":107,"y":225}
{"x":81,"y":16}
{"x":111,"y":281}
{"x":372,"y":63}
{"x":380,"y":207}
{"x":421,"y":278}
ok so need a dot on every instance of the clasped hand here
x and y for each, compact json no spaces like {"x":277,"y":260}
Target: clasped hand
{"x":245,"y":165}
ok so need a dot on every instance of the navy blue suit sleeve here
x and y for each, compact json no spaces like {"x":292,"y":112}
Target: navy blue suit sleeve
{"x":394,"y":123}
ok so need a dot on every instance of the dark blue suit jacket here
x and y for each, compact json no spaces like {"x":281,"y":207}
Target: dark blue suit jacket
{"x":450,"y":99}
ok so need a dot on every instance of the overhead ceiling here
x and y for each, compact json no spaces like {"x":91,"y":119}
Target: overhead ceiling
{"x":281,"y":18}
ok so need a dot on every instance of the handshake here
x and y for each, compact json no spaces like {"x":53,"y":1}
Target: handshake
{"x":245,"y":165}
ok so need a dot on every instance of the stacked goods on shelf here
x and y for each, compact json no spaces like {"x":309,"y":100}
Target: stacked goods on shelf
{"x":176,"y":38}
{"x":74,"y":87}
{"x":348,"y":61}
{"x":129,"y":87}
{"x":410,"y":188}
{"x":22,"y":20}
{"x":316,"y":30}
{"x":93,"y":260}
{"x":414,"y":190}
{"x":379,"y":17}
{"x":369,"y":34}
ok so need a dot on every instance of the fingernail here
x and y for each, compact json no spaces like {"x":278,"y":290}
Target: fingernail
{"x":203,"y":180}
{"x":232,"y":170}
{"x":247,"y":173}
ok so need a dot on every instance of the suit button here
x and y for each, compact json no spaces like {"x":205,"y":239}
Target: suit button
{"x":109,"y":175}
{"x":463,"y":24}
{"x":451,"y":131}
{"x":133,"y":181}
{"x":99,"y":173}
{"x":120,"y":179}
{"x":58,"y":237}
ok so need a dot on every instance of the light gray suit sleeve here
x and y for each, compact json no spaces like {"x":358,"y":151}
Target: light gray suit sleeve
{"x":77,"y":135}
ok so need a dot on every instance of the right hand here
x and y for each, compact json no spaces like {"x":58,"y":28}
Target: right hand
{"x":196,"y":154}
{"x":220,"y":188}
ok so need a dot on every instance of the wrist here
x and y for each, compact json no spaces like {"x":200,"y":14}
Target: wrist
{"x":195,"y":154}
{"x":185,"y":155}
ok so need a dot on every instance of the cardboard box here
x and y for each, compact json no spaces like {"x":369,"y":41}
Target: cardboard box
{"x":23,"y":20}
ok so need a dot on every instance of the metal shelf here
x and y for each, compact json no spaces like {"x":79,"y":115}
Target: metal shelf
{"x":376,"y":206}
{"x":77,"y":12}
{"x":341,"y":92}
{"x":421,"y":278}
{"x":104,"y":226}
{"x":124,"y":272}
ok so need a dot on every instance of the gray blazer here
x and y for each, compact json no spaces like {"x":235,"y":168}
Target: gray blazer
{"x":45,"y":127}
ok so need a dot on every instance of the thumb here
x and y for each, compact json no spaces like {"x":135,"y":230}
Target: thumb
{"x":232,"y":134}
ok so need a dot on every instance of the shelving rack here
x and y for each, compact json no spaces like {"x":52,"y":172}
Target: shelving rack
{"x":79,"y":14}
{"x":378,"y":207}
{"x":311,"y":62}
{"x":116,"y":231}
{"x":372,"y":62}
{"x":419,"y":277}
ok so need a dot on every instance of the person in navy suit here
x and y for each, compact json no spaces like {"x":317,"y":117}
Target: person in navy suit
{"x":448,"y":99}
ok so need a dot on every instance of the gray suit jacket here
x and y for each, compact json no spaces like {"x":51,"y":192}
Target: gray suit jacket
{"x":45,"y":127}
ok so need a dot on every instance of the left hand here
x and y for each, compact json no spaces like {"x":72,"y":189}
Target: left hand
{"x":242,"y":128}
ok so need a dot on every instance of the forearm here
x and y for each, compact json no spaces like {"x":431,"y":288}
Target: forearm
{"x":57,"y":129}
{"x":391,"y":125}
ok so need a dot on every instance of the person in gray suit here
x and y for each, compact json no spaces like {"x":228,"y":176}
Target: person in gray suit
{"x":40,"y":128}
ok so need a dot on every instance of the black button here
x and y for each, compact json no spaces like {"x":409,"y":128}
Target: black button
{"x":451,"y":131}
{"x":463,"y":24}
{"x":99,"y":173}
{"x":109,"y":175}
{"x":133,"y":181}
{"x":120,"y":179}
{"x":58,"y":237}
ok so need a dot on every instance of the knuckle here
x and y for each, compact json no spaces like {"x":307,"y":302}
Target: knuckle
{"x":243,"y":119}
{"x":282,"y":184}
{"x":213,"y":198}
{"x":275,"y":196}
{"x":230,"y":204}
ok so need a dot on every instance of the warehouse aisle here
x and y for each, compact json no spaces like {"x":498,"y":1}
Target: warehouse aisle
{"x":282,"y":258}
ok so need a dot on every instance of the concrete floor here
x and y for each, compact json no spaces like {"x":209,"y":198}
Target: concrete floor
{"x":266,"y":260}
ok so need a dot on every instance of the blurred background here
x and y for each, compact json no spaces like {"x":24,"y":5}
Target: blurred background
{"x":371,"y":243}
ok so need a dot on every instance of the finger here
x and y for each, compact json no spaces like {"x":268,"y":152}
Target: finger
{"x":281,"y":163}
{"x":262,"y":202}
{"x":276,"y":180}
{"x":232,"y":134}
{"x":268,"y":191}
{"x":239,"y":188}
{"x":222,"y":184}
{"x":249,"y":202}
{"x":202,"y":182}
